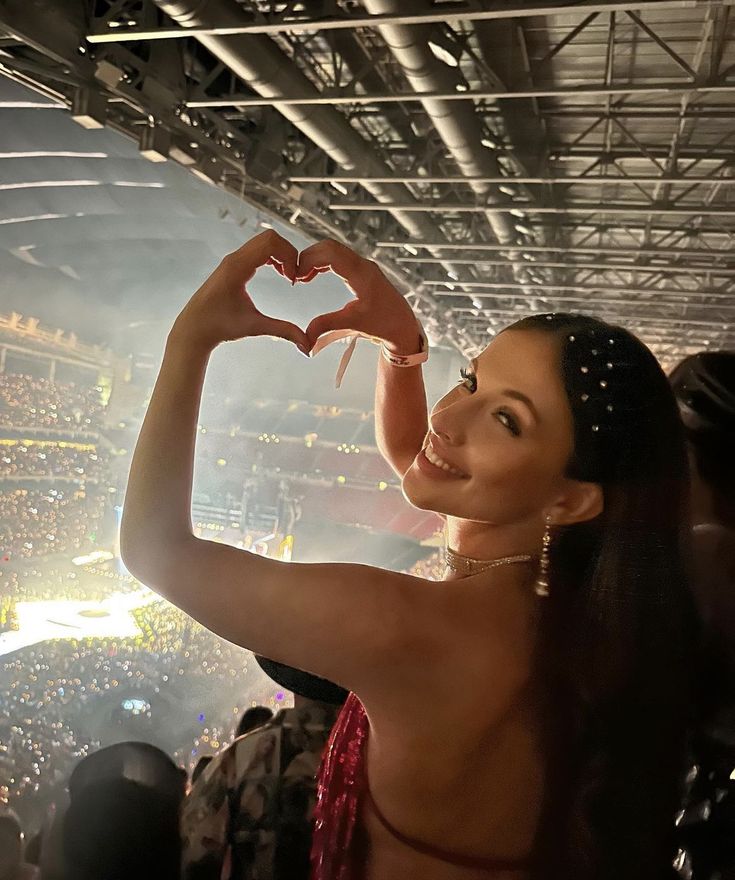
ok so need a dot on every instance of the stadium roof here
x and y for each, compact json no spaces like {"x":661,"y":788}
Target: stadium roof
{"x":496,"y":157}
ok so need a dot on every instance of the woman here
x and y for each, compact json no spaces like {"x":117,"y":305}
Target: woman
{"x":704,"y":385}
{"x":523,"y":719}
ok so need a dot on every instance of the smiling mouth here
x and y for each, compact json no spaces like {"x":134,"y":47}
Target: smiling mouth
{"x":439,"y":462}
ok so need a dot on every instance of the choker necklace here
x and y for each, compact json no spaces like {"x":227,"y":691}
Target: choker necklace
{"x":466,"y":565}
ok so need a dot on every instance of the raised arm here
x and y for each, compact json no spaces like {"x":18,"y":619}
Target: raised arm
{"x":401,"y":417}
{"x":379,"y":310}
{"x":368,"y":629}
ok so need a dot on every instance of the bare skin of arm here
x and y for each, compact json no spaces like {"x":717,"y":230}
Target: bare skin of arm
{"x":401,"y":415}
{"x":374,"y":631}
{"x":379,"y":310}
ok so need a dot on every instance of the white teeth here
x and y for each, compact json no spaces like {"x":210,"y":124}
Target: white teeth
{"x":440,"y":463}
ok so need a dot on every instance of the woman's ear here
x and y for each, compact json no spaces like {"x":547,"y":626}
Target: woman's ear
{"x":580,"y":502}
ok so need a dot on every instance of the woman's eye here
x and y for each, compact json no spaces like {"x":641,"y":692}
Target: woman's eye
{"x":469,"y":380}
{"x":510,"y":422}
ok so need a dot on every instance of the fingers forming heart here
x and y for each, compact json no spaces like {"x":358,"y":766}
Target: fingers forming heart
{"x":320,"y":258}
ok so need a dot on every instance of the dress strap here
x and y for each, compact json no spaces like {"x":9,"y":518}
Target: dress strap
{"x":477,"y":862}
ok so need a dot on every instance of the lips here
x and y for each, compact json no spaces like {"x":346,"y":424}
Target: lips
{"x":438,"y":461}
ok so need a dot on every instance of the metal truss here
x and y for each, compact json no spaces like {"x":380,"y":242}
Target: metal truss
{"x":556,"y":155}
{"x":275,"y":24}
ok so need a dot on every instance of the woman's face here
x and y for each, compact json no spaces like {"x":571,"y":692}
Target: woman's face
{"x":505,"y":430}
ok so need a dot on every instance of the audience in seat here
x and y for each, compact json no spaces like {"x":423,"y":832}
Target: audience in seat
{"x":249,"y":815}
{"x":254,"y":717}
{"x":704,"y":385}
{"x":12,"y":866}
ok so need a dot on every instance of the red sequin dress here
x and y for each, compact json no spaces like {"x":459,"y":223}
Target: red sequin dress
{"x":340,"y":787}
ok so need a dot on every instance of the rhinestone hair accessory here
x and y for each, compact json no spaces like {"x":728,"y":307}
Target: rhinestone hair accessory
{"x":601,"y":366}
{"x":595,"y":373}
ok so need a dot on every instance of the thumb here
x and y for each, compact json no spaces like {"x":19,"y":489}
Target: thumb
{"x":286,"y":330}
{"x":341,"y":319}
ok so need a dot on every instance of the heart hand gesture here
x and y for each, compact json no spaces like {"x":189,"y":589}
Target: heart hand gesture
{"x":378,"y":309}
{"x":222,"y":311}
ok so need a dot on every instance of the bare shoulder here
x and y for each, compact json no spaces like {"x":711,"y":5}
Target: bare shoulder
{"x":392,"y":638}
{"x":482,"y":641}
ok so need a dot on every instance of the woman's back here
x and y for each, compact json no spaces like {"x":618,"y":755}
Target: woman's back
{"x":452,"y":788}
{"x":463,"y":787}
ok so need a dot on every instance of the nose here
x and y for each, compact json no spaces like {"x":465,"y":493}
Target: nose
{"x":445,"y":421}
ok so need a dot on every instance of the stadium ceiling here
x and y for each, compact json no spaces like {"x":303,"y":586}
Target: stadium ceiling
{"x":496,"y":157}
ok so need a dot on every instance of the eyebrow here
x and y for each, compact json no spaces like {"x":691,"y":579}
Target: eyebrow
{"x":515,"y":395}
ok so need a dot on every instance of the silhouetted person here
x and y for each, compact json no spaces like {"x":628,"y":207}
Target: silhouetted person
{"x":704,"y":385}
{"x":200,"y":767}
{"x":120,"y":820}
{"x":250,"y":814}
{"x":12,"y":866}
{"x":119,"y":830}
{"x":252,"y":718}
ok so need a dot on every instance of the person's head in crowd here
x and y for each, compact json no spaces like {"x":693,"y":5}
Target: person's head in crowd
{"x":120,"y":830}
{"x":255,"y":716}
{"x":11,"y":845}
{"x":121,"y":815}
{"x":201,"y":766}
{"x":33,"y":849}
{"x":135,"y":761}
{"x":704,"y":385}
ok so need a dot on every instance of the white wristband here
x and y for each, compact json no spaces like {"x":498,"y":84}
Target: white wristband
{"x":408,"y":360}
{"x":397,"y":360}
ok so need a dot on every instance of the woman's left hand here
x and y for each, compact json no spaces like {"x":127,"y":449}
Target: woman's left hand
{"x":222,"y":311}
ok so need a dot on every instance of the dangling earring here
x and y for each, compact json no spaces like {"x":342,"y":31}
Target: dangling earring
{"x":542,"y":581}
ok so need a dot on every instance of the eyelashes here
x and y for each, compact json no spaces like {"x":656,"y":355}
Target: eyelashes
{"x":505,"y":418}
{"x":469,"y":381}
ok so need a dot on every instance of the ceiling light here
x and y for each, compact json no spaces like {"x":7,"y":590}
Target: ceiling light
{"x":490,"y":143}
{"x":462,"y":87}
{"x":444,"y":45}
{"x":517,"y":213}
{"x":524,"y":230}
{"x":411,"y":249}
{"x":339,"y":187}
{"x":445,"y":54}
{"x":477,"y":303}
{"x":508,"y":190}
{"x":88,"y":108}
{"x":155,"y":143}
{"x":181,"y":156}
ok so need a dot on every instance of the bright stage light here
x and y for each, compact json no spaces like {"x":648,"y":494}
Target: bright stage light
{"x":95,"y":556}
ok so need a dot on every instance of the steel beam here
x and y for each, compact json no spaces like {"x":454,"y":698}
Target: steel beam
{"x":575,"y":267}
{"x":455,"y":13}
{"x":677,"y":300}
{"x":714,"y":326}
{"x":632,"y":210}
{"x":338,"y":96}
{"x":483,"y":247}
{"x":709,"y":328}
{"x":576,"y":180}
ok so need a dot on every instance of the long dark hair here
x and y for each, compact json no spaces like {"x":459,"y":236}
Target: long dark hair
{"x":618,"y":628}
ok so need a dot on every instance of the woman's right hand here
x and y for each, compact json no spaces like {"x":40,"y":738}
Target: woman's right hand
{"x":378,"y":309}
